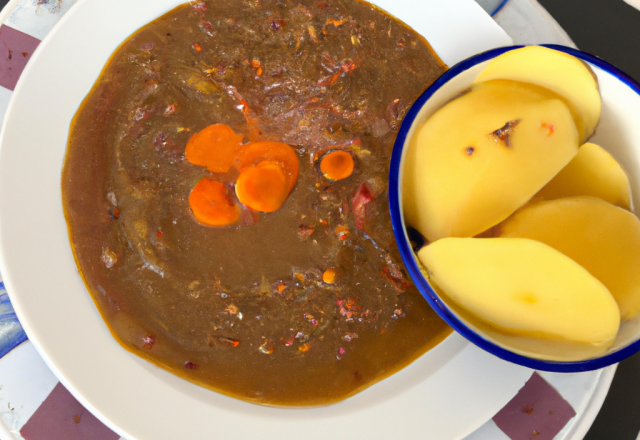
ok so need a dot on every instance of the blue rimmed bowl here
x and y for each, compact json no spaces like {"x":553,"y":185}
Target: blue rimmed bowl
{"x":618,"y":132}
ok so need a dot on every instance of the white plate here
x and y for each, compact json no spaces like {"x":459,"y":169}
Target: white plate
{"x":446,"y":394}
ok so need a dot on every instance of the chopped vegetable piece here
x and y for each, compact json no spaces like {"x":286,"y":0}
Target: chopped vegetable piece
{"x":359,"y":201}
{"x":148,"y":342}
{"x":268,"y":347}
{"x":213,"y":148}
{"x":262,"y":187}
{"x":252,"y":154}
{"x":337,"y":165}
{"x":211,"y":204}
{"x":329,"y":276}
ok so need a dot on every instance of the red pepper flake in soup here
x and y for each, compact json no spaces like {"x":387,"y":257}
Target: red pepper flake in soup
{"x":363,"y":195}
{"x":200,"y":7}
{"x":309,"y":317}
{"x":114,"y":213}
{"x":396,"y":277}
{"x":148,"y":342}
{"x":190,"y":366}
{"x":304,"y":230}
{"x":197,"y":47}
{"x":276,"y":25}
{"x":342,"y":231}
{"x":289,"y":342}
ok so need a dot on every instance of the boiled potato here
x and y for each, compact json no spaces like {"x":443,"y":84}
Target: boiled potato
{"x":483,"y":155}
{"x":557,"y":71}
{"x":602,"y":238}
{"x":593,"y":172}
{"x":524,"y":288}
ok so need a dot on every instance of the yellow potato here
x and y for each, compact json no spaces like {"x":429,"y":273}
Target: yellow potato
{"x":523,"y":288}
{"x":483,"y":155}
{"x":557,"y":71}
{"x":593,"y":172}
{"x":602,"y":238}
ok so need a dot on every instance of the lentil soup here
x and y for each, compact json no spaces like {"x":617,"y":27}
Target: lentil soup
{"x":302,"y":300}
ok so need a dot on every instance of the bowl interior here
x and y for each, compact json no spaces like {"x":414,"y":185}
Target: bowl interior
{"x":617,"y":132}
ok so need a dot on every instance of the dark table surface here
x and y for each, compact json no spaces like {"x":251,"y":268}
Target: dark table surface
{"x":609,"y":29}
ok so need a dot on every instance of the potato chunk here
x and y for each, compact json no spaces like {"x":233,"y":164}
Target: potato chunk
{"x":523,"y":287}
{"x":557,"y":71}
{"x":602,"y":238}
{"x":593,"y":172}
{"x":483,"y":155}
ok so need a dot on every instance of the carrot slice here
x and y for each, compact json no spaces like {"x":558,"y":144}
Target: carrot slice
{"x":214,"y":148}
{"x":329,"y":276}
{"x":337,"y":165}
{"x":262,"y":187}
{"x":252,"y":154}
{"x":211,"y":205}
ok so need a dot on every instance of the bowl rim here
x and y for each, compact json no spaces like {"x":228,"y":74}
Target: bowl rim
{"x":407,"y":253}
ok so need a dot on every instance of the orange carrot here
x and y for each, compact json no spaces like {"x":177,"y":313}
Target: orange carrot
{"x":214,"y":148}
{"x":337,"y":165}
{"x":252,"y":154}
{"x":329,"y":276}
{"x":211,"y":205}
{"x":262,"y":187}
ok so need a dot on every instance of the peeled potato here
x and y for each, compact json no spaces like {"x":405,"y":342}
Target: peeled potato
{"x":524,"y":288}
{"x":557,"y":71}
{"x":602,"y":238}
{"x":593,"y":172}
{"x":483,"y":155}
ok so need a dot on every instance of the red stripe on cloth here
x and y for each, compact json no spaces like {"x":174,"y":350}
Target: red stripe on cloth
{"x":537,"y":412}
{"x":16,"y":49}
{"x":62,"y":417}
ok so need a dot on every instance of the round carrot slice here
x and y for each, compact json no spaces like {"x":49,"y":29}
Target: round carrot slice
{"x":337,"y":165}
{"x":211,"y":204}
{"x":214,"y":148}
{"x":262,"y":187}
{"x":252,"y":154}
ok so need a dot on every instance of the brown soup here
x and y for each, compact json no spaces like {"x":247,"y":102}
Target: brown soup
{"x":249,"y":310}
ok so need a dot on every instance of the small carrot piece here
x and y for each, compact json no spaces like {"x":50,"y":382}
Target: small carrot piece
{"x":337,"y":165}
{"x":214,"y":148}
{"x":211,"y":205}
{"x":252,"y":154}
{"x":262,"y":187}
{"x":329,"y":276}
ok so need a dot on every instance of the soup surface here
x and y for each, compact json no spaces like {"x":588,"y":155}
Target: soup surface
{"x":303,"y":306}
